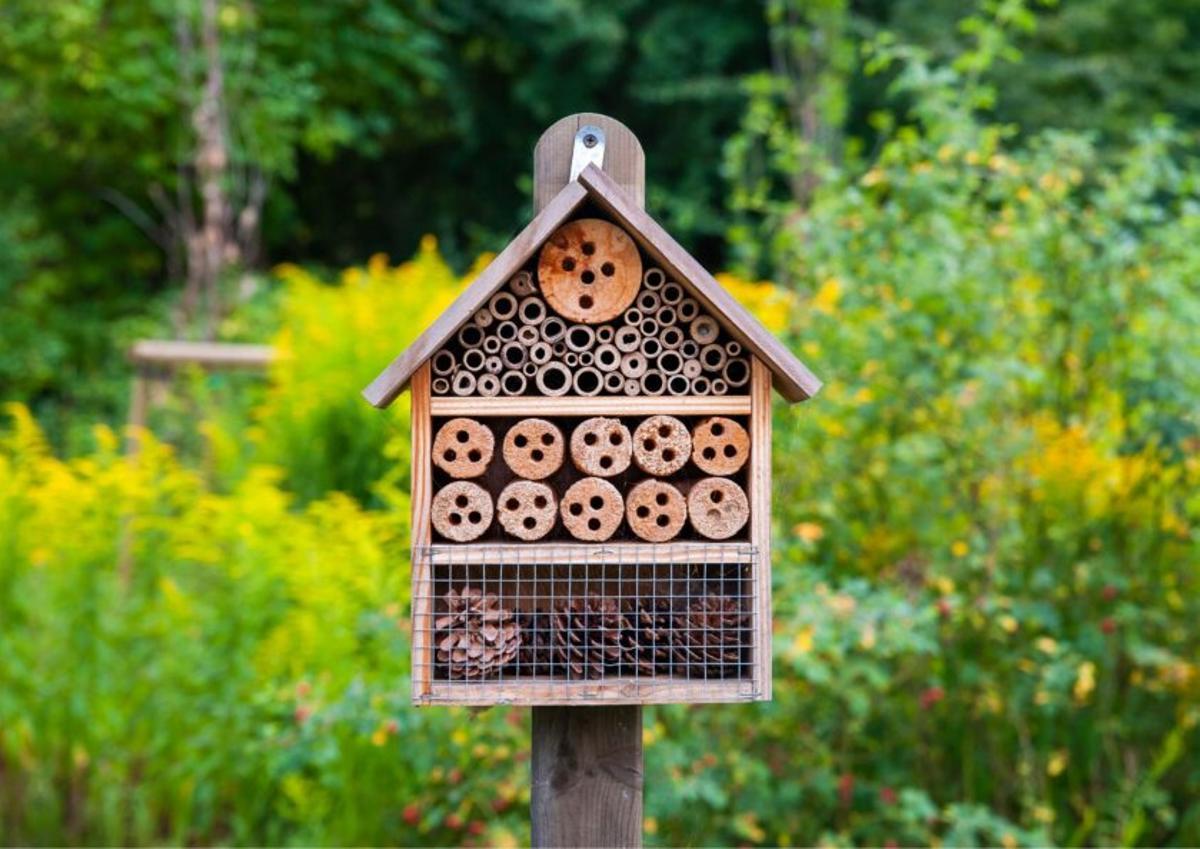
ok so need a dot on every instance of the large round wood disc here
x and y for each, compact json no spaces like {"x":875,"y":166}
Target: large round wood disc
{"x":589,"y":270}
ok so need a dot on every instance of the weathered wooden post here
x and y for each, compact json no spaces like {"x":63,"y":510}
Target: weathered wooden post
{"x":591,"y":484}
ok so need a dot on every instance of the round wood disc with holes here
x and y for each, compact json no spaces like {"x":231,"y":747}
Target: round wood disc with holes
{"x":601,"y":446}
{"x":527,"y":509}
{"x":533,"y":448}
{"x":661,"y":445}
{"x":720,"y":446}
{"x":589,"y":270}
{"x":592,"y":509}
{"x":463,"y":448}
{"x":656,"y":510}
{"x":462,"y":511}
{"x":717,"y":508}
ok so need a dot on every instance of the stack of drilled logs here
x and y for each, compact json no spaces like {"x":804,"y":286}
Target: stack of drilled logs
{"x":590,"y":323}
{"x":656,"y":509}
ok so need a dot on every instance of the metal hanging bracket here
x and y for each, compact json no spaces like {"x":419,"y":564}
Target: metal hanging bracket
{"x":588,"y":150}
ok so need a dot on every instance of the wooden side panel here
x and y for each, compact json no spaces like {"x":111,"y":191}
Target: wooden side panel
{"x":422,"y":500}
{"x":760,"y":515}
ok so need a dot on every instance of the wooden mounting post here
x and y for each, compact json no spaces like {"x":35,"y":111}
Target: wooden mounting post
{"x":587,"y":761}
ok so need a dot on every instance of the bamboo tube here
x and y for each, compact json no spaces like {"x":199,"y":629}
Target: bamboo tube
{"x":666,"y":316}
{"x":733,"y":348}
{"x":687,"y":310}
{"x":651,"y":347}
{"x":614,"y":382}
{"x":488,"y":385}
{"x":491,"y":344}
{"x":605,"y":333}
{"x":585,"y":358}
{"x":653,"y":383}
{"x":503,"y":305}
{"x":649,"y":327}
{"x":689,"y":350}
{"x":473,"y":360}
{"x":532,"y":310}
{"x":654,"y":278}
{"x":736,"y":372}
{"x":444,"y":362}
{"x":648,"y":302}
{"x":506,"y":331}
{"x":692,"y":368}
{"x":512,"y":383}
{"x":719,"y":387}
{"x":712,"y":357}
{"x":493,"y":365}
{"x":440,"y":386}
{"x":608,"y":358}
{"x":700,"y":385}
{"x":464,"y":383}
{"x":632,"y":317}
{"x":672,"y":293}
{"x":628,"y":339}
{"x":528,"y":335}
{"x":705,"y":330}
{"x":529,"y":369}
{"x":553,"y":328}
{"x":470,"y":335}
{"x":570,"y":359}
{"x":513,"y":354}
{"x":633,"y":386}
{"x":554,"y":378}
{"x":559,"y":348}
{"x":483,"y":317}
{"x":633,"y":364}
{"x":671,"y":337}
{"x":522,"y":284}
{"x":540,"y":352}
{"x":677,"y":384}
{"x":580,"y":337}
{"x":588,"y":381}
{"x":669,"y":362}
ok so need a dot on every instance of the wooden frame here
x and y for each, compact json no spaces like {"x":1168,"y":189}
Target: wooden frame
{"x":421,"y":532}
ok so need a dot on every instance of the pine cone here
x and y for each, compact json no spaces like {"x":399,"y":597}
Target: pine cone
{"x":651,"y":635}
{"x":591,"y":635}
{"x":477,"y":636}
{"x":710,"y":636}
{"x":536,"y":656}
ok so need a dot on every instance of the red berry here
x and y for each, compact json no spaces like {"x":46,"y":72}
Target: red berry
{"x":931,"y":697}
{"x":301,"y":714}
{"x":944,"y":609}
{"x":392,"y":726}
{"x":1109,"y":592}
{"x":845,"y":788}
{"x":411,"y":814}
{"x":455,"y":776}
{"x":453,"y":821}
{"x":887,"y":795}
{"x":476,"y":827}
{"x":1108,"y":624}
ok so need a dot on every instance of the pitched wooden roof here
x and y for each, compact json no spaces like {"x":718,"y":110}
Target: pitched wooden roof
{"x":792,"y":379}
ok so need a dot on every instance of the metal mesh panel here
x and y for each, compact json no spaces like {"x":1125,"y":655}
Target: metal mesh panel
{"x":636,"y":616}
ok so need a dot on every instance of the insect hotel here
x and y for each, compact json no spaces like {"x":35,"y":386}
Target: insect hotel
{"x":591,"y":475}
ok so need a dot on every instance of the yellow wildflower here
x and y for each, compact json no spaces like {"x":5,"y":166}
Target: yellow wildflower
{"x":1009,"y":624}
{"x":959,"y":548}
{"x":804,"y":640}
{"x":1046,"y":645}
{"x":809,"y":531}
{"x":1085,"y":681}
{"x":1057,"y":763}
{"x":828,"y":296}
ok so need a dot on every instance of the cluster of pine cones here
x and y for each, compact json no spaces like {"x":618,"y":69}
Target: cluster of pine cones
{"x":592,"y":637}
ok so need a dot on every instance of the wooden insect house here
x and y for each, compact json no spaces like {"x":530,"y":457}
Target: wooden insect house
{"x":591,"y":476}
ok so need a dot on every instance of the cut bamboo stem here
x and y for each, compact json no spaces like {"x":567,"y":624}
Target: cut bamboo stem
{"x":554,"y":378}
{"x":512,"y":383}
{"x":444,"y":362}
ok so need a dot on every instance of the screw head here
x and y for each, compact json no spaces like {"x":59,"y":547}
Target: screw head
{"x":590,"y":140}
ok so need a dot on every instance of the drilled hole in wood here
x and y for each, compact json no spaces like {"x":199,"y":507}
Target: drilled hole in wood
{"x":520,"y":441}
{"x":512,"y":504}
{"x":530,"y":522}
{"x":576,"y":509}
{"x":450,"y":456}
{"x":588,"y":248}
{"x":643,"y":511}
{"x":615,"y":437}
{"x":663,"y":520}
{"x":474,"y":455}
{"x":455,"y":519}
{"x":474,"y":517}
{"x":730,"y":451}
{"x":608,"y":269}
{"x":606,"y":462}
{"x":568,"y":264}
{"x":590,"y":439}
{"x":593,"y":524}
{"x":716,"y":496}
{"x":661,"y":499}
{"x":596,"y":502}
{"x":539,"y":502}
{"x":718,"y":429}
{"x":587,"y":277}
{"x":536,"y":455}
{"x":461,"y":501}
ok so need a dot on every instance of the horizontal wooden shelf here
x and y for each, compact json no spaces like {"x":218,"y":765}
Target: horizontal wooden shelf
{"x":611,"y":691}
{"x":640,"y":405}
{"x":570,"y":553}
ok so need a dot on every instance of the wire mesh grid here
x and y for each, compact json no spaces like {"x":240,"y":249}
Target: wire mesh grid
{"x":556,"y":618}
